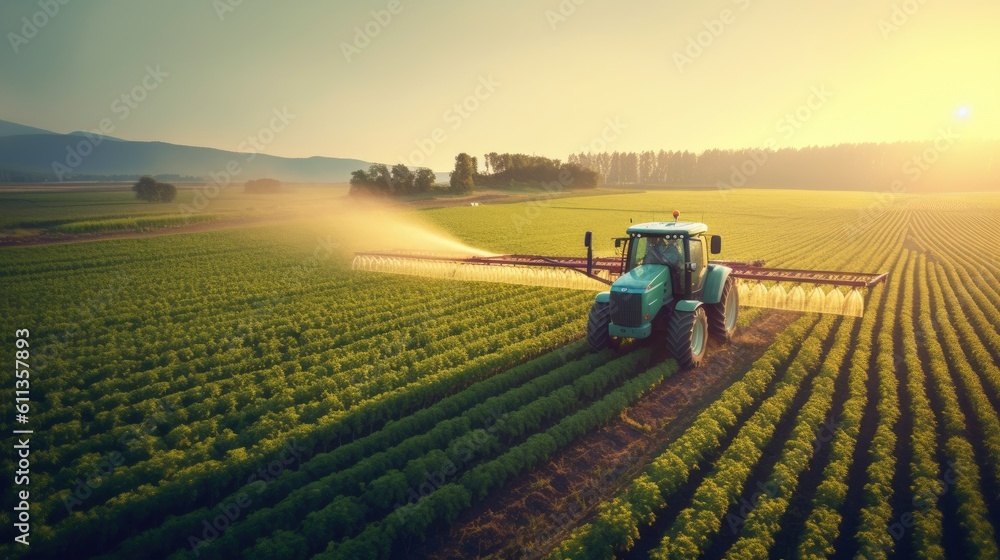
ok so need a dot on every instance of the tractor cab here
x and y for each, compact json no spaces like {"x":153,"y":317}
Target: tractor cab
{"x":681,"y":247}
{"x":667,"y":280}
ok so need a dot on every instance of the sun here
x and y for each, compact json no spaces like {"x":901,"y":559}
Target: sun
{"x":962,"y":112}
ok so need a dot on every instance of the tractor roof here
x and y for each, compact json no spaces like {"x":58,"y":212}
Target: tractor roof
{"x":669,"y":228}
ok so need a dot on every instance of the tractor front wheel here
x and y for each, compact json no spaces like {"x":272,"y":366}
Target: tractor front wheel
{"x":598,"y":328}
{"x":722,"y":316}
{"x":687,"y":336}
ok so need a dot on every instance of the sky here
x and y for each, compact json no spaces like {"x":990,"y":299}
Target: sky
{"x":418,"y":81}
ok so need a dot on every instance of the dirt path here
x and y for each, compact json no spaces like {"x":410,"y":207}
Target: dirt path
{"x":538,"y":510}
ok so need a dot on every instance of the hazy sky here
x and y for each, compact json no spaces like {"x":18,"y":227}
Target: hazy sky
{"x":543,"y":77}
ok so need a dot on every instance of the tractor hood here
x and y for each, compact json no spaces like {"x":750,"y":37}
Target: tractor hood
{"x":643,"y":278}
{"x":636,"y":298}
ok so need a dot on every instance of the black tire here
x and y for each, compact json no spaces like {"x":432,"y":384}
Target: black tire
{"x":687,"y":337}
{"x":722,"y":316}
{"x":598,"y":322}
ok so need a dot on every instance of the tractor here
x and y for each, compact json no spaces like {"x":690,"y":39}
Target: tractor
{"x":669,"y":291}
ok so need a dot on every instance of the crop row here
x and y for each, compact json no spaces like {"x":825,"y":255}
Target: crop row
{"x":760,"y":524}
{"x":547,"y":399}
{"x":501,"y":431}
{"x":925,"y":485}
{"x":187,"y":489}
{"x":873,"y":538}
{"x":443,"y":505}
{"x":979,"y":536}
{"x":240,"y":401}
{"x":343,"y":470}
{"x":696,"y":524}
{"x":618,"y":521}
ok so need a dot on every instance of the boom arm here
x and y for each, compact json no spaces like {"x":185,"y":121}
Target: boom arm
{"x":606,"y":269}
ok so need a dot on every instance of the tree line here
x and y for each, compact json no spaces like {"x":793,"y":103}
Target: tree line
{"x":505,"y":169}
{"x":501,"y":170}
{"x":947,"y":163}
{"x":380,"y":180}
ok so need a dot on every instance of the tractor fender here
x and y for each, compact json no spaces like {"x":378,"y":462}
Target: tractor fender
{"x":603,"y":297}
{"x":687,"y":305}
{"x":715,"y":281}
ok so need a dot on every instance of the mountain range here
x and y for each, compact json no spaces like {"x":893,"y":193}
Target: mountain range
{"x":29,"y":154}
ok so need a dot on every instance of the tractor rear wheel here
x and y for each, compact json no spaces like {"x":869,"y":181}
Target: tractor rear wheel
{"x":687,"y":336}
{"x":722,"y":316}
{"x":598,"y":325}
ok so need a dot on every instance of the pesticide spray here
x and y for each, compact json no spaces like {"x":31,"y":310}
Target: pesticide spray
{"x":374,"y":226}
{"x":521,"y":275}
{"x":366,"y":225}
{"x":809,"y":299}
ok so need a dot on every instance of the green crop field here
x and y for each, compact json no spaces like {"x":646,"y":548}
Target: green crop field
{"x":242,"y":393}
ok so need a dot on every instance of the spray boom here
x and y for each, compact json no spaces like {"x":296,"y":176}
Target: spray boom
{"x":758,"y":286}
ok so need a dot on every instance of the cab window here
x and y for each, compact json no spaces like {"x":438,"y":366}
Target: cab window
{"x":638,"y":253}
{"x":698,"y":256}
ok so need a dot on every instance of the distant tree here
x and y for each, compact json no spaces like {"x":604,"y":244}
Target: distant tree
{"x":461,"y":177}
{"x":424,"y":180}
{"x":151,"y":190}
{"x":579,"y":177}
{"x":378,"y":174}
{"x":359,"y":183}
{"x":262,"y":186}
{"x":403,"y":180}
{"x":377,"y":180}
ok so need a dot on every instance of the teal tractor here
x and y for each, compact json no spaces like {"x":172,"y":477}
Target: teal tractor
{"x":668,"y":292}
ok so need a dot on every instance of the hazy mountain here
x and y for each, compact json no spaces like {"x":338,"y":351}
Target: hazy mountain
{"x":8,"y":128}
{"x":31,"y":154}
